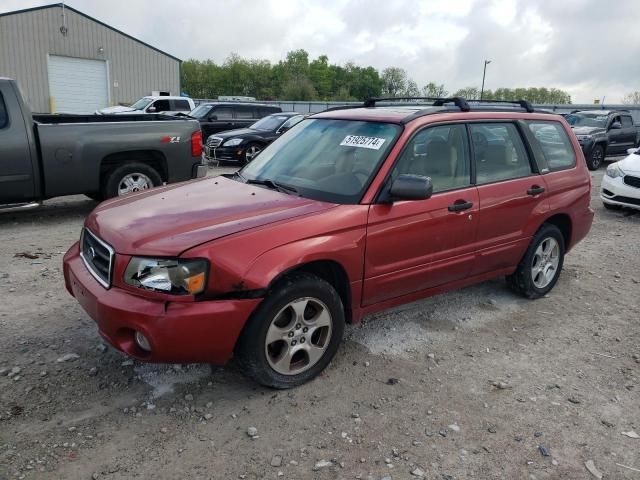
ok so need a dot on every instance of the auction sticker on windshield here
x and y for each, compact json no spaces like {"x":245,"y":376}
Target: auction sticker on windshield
{"x":372,"y":143}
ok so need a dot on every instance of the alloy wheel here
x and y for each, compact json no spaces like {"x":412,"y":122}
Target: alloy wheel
{"x":134,"y":182}
{"x":251,"y":152}
{"x":544,"y":265}
{"x":298,"y":336}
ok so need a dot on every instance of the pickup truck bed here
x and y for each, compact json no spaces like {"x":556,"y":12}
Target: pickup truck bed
{"x":44,"y":156}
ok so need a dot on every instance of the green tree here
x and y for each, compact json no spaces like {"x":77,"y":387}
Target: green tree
{"x":471,"y":93}
{"x":394,"y":81}
{"x":411,"y":89}
{"x":431,"y":89}
{"x":299,"y":88}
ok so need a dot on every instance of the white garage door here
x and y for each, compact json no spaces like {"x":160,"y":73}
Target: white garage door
{"x":78,"y":85}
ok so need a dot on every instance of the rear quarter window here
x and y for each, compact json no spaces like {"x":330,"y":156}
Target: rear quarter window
{"x":554,"y":143}
{"x":4,"y":116}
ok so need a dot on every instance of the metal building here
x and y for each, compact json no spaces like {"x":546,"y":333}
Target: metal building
{"x":66,"y":61}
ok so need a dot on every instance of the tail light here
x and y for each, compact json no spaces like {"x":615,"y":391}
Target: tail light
{"x":196,"y":143}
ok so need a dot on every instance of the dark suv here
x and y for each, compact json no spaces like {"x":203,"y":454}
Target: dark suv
{"x":217,"y":117}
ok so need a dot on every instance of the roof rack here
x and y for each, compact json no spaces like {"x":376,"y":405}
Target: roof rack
{"x":522,"y":103}
{"x":459,"y":102}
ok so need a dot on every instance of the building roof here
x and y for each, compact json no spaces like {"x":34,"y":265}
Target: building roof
{"x":67,"y":7}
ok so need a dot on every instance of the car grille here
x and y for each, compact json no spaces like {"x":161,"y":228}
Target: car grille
{"x":629,"y":200}
{"x":97,"y":257}
{"x":214,"y":142}
{"x":632,"y":181}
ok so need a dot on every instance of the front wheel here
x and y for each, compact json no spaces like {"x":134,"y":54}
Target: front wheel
{"x":294,"y":333}
{"x":252,"y":150}
{"x":540,"y":268}
{"x":596,"y":157}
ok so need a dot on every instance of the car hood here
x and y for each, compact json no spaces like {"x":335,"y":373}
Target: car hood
{"x":117,"y":109}
{"x":239,"y":132}
{"x":168,"y":220}
{"x":587,"y":130}
{"x":630,"y":164}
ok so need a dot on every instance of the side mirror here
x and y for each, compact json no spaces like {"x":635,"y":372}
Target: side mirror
{"x":151,"y":109}
{"x":282,"y":129}
{"x":411,"y":187}
{"x":211,"y":118}
{"x":615,"y":126}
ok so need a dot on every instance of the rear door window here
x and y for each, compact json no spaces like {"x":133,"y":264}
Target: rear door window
{"x":554,"y":143}
{"x":499,"y":152}
{"x":244,"y":112}
{"x":4,"y":116}
{"x":223,"y":113}
{"x":180,"y":106}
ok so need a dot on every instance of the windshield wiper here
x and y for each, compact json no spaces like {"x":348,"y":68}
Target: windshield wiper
{"x":267,"y":182}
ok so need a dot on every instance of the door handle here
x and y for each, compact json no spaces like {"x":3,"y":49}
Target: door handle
{"x":535,"y":190}
{"x":460,"y":205}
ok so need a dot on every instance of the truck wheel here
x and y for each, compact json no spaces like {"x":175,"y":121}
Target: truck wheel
{"x":293,"y":334}
{"x":541,"y":265}
{"x":129,"y":178}
{"x":251,"y":151}
{"x":596,"y":157}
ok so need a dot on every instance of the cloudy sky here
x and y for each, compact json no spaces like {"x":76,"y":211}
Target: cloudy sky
{"x":590,"y":48}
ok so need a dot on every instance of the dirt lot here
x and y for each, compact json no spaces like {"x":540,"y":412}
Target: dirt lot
{"x":477,"y":383}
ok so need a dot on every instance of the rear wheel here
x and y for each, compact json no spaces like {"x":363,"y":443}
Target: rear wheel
{"x":596,"y":157}
{"x":130,"y":178}
{"x":294,"y":333}
{"x":540,"y":268}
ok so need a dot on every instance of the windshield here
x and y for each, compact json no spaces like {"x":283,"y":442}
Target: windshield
{"x":587,"y":120}
{"x":142,"y":103}
{"x":327,"y":160}
{"x":200,"y":111}
{"x":270,"y":122}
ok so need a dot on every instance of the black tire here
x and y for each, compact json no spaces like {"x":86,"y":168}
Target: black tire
{"x":252,"y":145}
{"x":250,"y":351}
{"x":113,"y":179}
{"x":521,"y":281}
{"x":596,"y":157}
{"x":611,"y":206}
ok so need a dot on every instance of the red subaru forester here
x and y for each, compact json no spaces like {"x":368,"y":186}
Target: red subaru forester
{"x":352,"y":211}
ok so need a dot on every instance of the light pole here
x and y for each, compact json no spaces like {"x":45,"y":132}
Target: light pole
{"x":484,"y":74}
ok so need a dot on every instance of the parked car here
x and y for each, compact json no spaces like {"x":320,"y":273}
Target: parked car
{"x":152,"y":104}
{"x":351,"y":212}
{"x":217,"y":117}
{"x":604,"y":132}
{"x":621,"y":184}
{"x":44,"y":156}
{"x":243,"y":144}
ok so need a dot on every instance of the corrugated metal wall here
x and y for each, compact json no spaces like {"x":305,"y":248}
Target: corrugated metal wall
{"x":27,"y":38}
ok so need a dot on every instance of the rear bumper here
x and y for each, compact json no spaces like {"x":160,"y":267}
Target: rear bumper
{"x":189,"y":332}
{"x":615,"y":192}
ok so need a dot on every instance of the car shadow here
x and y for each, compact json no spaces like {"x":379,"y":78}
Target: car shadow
{"x":50,"y":212}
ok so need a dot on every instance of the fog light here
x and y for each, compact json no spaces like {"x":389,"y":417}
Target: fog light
{"x":142,"y":342}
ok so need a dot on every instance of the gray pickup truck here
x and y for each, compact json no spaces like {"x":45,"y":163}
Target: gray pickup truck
{"x":45,"y":156}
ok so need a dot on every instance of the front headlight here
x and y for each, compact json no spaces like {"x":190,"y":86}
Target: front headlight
{"x":583,"y":137}
{"x":613,"y":171}
{"x":233,"y":142}
{"x":172,"y":276}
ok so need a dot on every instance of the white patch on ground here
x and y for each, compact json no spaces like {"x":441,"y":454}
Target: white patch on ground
{"x":163,"y":378}
{"x":411,"y":328}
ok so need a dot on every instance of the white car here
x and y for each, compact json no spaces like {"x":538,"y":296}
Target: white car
{"x":621,"y":183}
{"x":152,"y":104}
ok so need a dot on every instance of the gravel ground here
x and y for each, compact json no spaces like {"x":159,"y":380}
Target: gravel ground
{"x":477,"y":383}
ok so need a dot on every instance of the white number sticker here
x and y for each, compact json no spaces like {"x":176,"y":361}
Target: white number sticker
{"x":372,"y":143}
